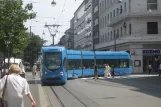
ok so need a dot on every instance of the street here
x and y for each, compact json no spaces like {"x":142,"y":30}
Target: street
{"x":126,"y":91}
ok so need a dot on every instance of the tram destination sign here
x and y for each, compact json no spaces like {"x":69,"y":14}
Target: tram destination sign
{"x":156,"y":51}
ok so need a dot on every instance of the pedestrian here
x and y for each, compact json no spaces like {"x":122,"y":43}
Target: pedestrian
{"x":160,"y":69}
{"x":107,"y":71}
{"x":16,"y":87}
{"x":34,"y":70}
{"x":95,"y":72}
{"x":113,"y":72}
{"x":149,"y":68}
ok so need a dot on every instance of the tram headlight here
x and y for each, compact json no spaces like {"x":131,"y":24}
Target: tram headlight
{"x":61,"y":73}
{"x":46,"y":72}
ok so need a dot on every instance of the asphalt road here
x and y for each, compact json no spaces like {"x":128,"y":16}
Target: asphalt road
{"x":124,"y":91}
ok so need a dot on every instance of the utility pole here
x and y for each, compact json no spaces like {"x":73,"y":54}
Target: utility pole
{"x":49,"y":26}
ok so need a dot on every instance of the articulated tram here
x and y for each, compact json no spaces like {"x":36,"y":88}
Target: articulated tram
{"x":59,"y":64}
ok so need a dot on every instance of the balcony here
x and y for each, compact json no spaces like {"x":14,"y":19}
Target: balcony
{"x":125,"y":16}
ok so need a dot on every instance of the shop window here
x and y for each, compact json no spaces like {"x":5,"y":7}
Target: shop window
{"x":137,"y":63}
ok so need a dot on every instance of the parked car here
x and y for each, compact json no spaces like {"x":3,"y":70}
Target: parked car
{"x":13,"y":61}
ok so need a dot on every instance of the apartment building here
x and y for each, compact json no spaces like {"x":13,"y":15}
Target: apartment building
{"x":132,"y":26}
{"x":83,"y":26}
{"x":95,"y":22}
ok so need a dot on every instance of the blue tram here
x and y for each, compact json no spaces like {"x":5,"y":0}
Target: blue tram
{"x":81,"y":63}
{"x":53,"y":65}
{"x":59,"y":64}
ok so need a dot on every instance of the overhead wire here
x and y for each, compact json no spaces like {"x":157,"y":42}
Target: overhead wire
{"x":60,"y":16}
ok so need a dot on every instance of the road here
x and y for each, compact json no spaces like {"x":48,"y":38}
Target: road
{"x":127,"y":91}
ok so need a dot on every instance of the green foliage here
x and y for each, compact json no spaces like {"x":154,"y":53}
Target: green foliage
{"x":13,"y":34}
{"x":33,"y":49}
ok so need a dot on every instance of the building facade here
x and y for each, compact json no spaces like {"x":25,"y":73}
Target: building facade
{"x":62,"y":41}
{"x":95,"y":22}
{"x":132,"y":26}
{"x":83,"y":26}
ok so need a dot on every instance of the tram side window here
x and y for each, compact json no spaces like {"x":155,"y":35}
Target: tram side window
{"x":88,"y":64}
{"x":100,"y":63}
{"x":113,"y":63}
{"x":74,"y":64}
{"x":65,"y":64}
{"x":124,"y":63}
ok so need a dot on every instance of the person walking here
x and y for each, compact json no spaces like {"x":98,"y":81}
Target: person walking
{"x":95,"y":72}
{"x":107,"y":71}
{"x":149,"y":68}
{"x":160,"y":69}
{"x":34,"y":70}
{"x":16,"y":88}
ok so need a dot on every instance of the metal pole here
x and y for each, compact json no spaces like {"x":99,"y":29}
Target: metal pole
{"x":115,"y":42}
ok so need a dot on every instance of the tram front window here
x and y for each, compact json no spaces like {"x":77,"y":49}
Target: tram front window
{"x":52,"y":60}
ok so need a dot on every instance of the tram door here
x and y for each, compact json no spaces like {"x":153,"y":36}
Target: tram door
{"x":147,"y":59}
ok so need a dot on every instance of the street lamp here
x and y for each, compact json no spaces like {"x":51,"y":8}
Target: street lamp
{"x":31,"y":26}
{"x":53,"y":3}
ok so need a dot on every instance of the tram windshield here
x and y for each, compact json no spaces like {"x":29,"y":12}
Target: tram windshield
{"x":53,"y":60}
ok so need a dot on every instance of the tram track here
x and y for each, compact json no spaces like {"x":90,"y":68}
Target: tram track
{"x":71,"y":97}
{"x":82,"y":104}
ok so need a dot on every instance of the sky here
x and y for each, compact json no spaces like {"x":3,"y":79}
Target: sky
{"x":60,"y":14}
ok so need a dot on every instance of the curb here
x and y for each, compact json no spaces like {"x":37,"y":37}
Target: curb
{"x":43,"y":98}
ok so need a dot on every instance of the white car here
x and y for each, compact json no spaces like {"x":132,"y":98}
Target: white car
{"x":14,"y":61}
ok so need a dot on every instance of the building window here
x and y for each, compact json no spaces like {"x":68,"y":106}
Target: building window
{"x":124,"y":6}
{"x":152,"y":4}
{"x":100,"y":7}
{"x":96,"y":22}
{"x":110,"y":15}
{"x":117,"y":11}
{"x":96,"y":9}
{"x":121,"y":32}
{"x":121,"y":9}
{"x":108,"y":36}
{"x":111,"y":36}
{"x":130,"y":29}
{"x":105,"y":20}
{"x":105,"y":4}
{"x":117,"y":33}
{"x":108,"y":18}
{"x":114,"y":34}
{"x":113,"y":13}
{"x":103,"y":40}
{"x":110,"y":2}
{"x":101,"y":23}
{"x":152,"y":27}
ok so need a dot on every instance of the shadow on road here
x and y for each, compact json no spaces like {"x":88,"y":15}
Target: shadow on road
{"x":147,"y":85}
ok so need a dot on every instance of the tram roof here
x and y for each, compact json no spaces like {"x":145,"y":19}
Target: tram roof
{"x":111,"y":53}
{"x":53,"y":47}
{"x":77,"y":52}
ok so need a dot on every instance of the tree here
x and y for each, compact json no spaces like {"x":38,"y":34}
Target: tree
{"x":33,"y":49}
{"x":13,"y":34}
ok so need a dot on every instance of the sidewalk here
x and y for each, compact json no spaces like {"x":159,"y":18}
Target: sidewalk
{"x":37,"y":92}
